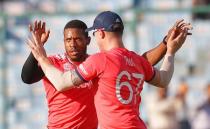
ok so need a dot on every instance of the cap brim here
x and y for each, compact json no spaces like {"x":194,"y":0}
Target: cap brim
{"x":89,"y":29}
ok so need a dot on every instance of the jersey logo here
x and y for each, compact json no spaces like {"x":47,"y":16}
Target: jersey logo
{"x":129,"y":61}
{"x":66,"y":67}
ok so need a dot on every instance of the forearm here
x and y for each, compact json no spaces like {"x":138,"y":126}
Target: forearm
{"x":156,"y":54}
{"x":164,"y":75}
{"x":167,"y":69}
{"x":31,"y":72}
{"x":61,"y":80}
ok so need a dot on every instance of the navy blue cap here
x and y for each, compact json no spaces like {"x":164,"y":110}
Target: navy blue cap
{"x":108,"y":21}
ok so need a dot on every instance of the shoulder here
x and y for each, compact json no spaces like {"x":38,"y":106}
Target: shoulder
{"x":94,"y":62}
{"x":133,"y":54}
{"x":58,"y":58}
{"x":138,"y":57}
{"x":97,"y":57}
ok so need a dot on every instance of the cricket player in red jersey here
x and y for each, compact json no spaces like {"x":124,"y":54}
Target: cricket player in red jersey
{"x":117,"y":73}
{"x":71,"y":109}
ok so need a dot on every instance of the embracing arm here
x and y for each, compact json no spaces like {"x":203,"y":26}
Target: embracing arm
{"x":61,"y":80}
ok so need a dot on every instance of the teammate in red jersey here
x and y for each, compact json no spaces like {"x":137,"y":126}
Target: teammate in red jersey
{"x":72,"y":109}
{"x":77,"y":105}
{"x":107,"y":77}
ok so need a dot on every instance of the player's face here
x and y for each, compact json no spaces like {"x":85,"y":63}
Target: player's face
{"x":76,"y":44}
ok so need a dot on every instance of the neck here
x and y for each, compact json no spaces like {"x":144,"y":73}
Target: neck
{"x":83,"y":58}
{"x":111,"y":43}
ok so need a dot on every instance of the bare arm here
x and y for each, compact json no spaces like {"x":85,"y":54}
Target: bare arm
{"x":164,"y":74}
{"x":156,"y":54}
{"x":61,"y":81}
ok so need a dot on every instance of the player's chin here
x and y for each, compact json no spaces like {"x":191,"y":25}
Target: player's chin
{"x":75,"y":57}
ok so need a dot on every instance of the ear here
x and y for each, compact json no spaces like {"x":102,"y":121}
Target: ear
{"x":102,"y":34}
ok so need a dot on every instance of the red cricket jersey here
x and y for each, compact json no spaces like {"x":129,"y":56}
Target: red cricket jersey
{"x":119,"y":75}
{"x":71,"y":109}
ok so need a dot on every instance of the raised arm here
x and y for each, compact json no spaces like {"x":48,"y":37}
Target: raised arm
{"x":156,"y":54}
{"x":61,"y":81}
{"x":31,"y":72}
{"x":164,"y":74}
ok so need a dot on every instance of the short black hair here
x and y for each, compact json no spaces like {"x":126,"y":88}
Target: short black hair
{"x":77,"y":24}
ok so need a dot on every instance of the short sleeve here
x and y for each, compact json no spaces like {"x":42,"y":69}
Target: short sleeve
{"x":92,"y":67}
{"x":148,"y":69}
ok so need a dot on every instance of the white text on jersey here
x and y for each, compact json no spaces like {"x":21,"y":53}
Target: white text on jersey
{"x":129,"y":61}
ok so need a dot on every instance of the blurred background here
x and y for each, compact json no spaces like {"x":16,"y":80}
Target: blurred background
{"x":185,"y":102}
